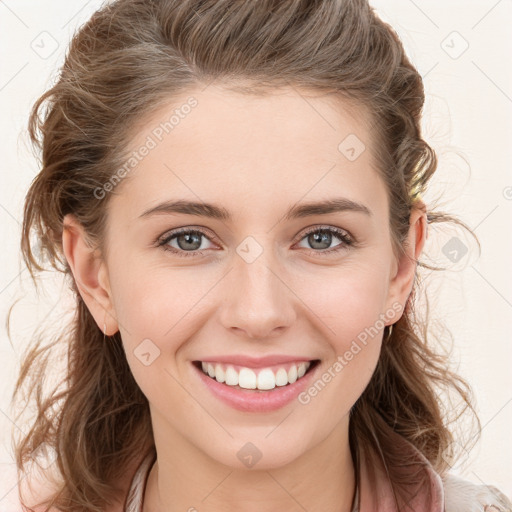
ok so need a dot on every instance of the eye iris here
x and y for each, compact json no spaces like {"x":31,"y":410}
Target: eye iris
{"x":190,"y":238}
{"x":320,"y":237}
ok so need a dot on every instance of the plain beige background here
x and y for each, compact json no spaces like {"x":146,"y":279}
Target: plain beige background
{"x":463,"y":50}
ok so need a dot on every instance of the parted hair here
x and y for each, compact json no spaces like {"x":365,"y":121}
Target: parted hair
{"x":133,"y":56}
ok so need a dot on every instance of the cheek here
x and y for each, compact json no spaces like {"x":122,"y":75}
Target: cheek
{"x":348,"y":299}
{"x":351,"y":306}
{"x":153,"y":302}
{"x":158,"y":310}
{"x":353,"y":318}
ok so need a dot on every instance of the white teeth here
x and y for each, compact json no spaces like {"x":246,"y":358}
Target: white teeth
{"x":248,"y":379}
{"x":219,"y":373}
{"x":266,"y":379}
{"x":231,"y":376}
{"x":281,"y":377}
{"x":292,"y":374}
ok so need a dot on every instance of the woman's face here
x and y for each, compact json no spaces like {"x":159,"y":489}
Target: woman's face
{"x":262,"y":279}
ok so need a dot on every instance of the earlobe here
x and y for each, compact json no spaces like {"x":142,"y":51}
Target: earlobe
{"x":90,"y":274}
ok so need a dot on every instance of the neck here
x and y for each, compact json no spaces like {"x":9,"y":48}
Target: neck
{"x":185,"y":479}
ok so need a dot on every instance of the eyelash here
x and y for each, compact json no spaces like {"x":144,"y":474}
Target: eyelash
{"x":347,"y":241}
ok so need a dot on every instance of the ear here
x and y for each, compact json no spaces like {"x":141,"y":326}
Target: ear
{"x":90,"y":274}
{"x":404,"y":270}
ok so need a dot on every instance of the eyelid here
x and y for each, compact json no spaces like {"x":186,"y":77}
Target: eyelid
{"x":347,"y":240}
{"x":187,"y":229}
{"x":343,"y":234}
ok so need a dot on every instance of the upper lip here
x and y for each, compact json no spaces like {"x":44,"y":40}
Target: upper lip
{"x":256,"y":362}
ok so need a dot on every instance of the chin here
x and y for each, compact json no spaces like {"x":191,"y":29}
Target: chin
{"x":253,"y":453}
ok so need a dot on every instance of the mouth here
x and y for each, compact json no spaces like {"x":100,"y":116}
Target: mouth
{"x":264,"y":379}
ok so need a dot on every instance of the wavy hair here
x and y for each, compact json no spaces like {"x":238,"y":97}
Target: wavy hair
{"x":133,"y":56}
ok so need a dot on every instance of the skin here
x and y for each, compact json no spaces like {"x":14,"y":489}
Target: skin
{"x":236,"y":151}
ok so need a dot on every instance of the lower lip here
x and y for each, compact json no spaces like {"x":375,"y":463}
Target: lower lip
{"x":254,"y":400}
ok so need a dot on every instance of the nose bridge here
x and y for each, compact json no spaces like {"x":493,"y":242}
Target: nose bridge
{"x":257,"y":300}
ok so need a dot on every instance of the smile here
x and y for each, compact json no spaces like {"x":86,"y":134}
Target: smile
{"x":262,"y":379}
{"x":256,"y":390}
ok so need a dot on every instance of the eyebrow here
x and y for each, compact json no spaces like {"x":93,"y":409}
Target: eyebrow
{"x":334,"y":205}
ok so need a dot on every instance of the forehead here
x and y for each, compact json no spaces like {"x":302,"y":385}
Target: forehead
{"x":224,"y":145}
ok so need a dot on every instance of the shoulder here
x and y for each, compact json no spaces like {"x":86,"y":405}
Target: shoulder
{"x":464,"y":496}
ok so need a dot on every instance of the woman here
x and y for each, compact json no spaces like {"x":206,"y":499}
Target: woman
{"x":234,"y":190}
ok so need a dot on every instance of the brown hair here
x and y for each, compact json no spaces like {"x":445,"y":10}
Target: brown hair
{"x":127,"y":60}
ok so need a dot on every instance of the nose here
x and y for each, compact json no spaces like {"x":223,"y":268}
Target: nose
{"x":257,"y":302}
